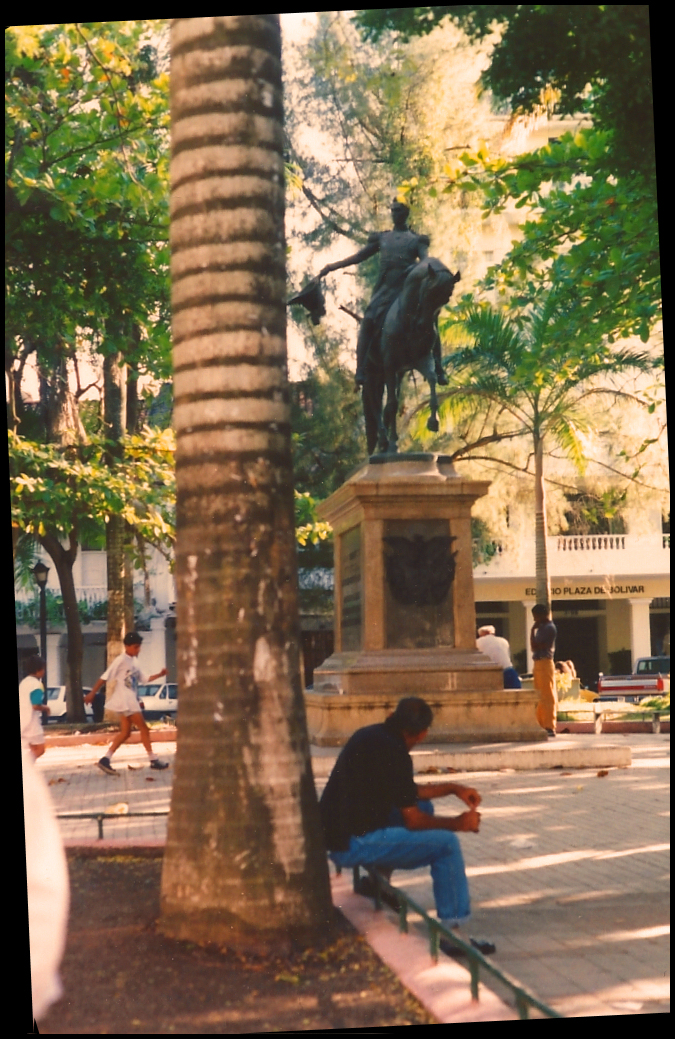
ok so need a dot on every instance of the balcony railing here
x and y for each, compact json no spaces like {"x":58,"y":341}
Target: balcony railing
{"x":579,"y":554}
{"x":590,"y":542}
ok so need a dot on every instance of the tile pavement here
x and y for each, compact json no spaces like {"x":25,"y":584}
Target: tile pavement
{"x":569,"y":874}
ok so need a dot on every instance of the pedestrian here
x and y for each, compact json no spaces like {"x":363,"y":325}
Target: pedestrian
{"x":47,"y":887}
{"x":542,"y":643}
{"x":31,"y":707}
{"x":122,"y":679}
{"x":499,"y":651}
{"x":374,"y":815}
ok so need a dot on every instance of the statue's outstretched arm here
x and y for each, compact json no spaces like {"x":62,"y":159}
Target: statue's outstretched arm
{"x":363,"y":254}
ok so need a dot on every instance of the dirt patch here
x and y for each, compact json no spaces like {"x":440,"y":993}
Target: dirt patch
{"x":120,"y":976}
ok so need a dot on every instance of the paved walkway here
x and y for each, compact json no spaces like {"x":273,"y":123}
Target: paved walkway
{"x":569,"y":875}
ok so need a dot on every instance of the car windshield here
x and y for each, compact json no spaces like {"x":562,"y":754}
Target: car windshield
{"x":145,"y":691}
{"x":53,"y":692}
{"x":172,"y":691}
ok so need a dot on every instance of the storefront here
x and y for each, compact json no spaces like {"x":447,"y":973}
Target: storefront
{"x":603,"y":625}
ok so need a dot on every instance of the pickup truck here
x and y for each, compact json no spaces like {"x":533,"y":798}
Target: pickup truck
{"x":650,"y":678}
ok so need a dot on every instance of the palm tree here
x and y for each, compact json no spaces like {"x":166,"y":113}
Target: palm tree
{"x":526,"y":377}
{"x":244,"y":864}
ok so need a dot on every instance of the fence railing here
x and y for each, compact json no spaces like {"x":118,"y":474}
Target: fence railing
{"x":476,"y":961}
{"x":109,"y":816}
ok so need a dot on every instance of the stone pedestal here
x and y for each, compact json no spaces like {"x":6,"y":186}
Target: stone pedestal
{"x":405,"y":620}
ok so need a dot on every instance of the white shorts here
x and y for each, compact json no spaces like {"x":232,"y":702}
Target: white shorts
{"x":129,"y":713}
{"x":123,"y":701}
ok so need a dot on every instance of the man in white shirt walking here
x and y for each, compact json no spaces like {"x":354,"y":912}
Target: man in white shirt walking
{"x":123,"y":678}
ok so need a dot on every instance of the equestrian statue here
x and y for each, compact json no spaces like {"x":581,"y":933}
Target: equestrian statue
{"x":398,"y":332}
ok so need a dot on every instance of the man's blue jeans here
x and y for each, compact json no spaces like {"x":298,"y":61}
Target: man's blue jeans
{"x":396,"y":847}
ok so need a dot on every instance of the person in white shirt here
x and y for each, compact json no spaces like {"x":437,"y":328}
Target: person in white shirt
{"x":123,"y":678}
{"x":31,"y":707}
{"x":47,"y":887}
{"x":499,"y":651}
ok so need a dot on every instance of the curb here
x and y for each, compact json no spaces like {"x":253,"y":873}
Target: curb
{"x":151,"y":848}
{"x":612,"y":727}
{"x":443,"y":988}
{"x":101,"y":739}
{"x":170,"y":735}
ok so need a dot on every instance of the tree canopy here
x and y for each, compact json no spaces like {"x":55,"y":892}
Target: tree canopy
{"x":86,"y":200}
{"x":596,"y":57}
{"x":588,"y":198}
{"x":525,"y":378}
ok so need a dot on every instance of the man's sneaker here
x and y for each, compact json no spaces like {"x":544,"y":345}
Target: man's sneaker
{"x":483,"y":945}
{"x":366,"y":886}
{"x":105,"y":766}
{"x":159,"y":765}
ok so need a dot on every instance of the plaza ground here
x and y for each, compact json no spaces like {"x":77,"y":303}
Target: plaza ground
{"x":569,"y":876}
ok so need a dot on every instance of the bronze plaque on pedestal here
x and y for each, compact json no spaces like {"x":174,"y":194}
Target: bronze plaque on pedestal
{"x":352,"y":590}
{"x":419,"y":569}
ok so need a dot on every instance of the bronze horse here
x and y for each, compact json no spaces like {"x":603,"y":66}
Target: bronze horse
{"x":409,"y":342}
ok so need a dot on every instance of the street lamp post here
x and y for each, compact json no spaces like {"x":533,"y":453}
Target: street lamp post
{"x":41,"y":572}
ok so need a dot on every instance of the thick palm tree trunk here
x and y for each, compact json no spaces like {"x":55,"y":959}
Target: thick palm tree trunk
{"x":542,"y":579}
{"x":244,"y":863}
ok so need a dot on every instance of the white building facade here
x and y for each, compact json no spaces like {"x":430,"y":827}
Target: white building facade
{"x":609,"y":592}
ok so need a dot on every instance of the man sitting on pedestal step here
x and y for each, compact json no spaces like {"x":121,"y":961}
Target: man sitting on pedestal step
{"x":374,"y":814}
{"x":499,"y":651}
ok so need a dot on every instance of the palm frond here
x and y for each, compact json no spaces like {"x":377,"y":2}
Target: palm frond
{"x":569,"y":436}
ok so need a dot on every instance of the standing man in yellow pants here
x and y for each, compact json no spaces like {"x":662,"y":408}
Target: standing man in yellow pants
{"x":542,"y":643}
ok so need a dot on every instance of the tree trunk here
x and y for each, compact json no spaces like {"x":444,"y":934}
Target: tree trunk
{"x":542,"y":579}
{"x":64,"y":560}
{"x":114,"y":418}
{"x":129,"y":603}
{"x":244,"y":863}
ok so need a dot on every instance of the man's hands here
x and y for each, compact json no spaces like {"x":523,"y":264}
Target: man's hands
{"x":468,"y":795}
{"x":468,"y":822}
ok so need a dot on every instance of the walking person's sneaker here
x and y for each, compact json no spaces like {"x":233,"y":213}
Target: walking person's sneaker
{"x":105,"y":766}
{"x":550,"y":732}
{"x":159,"y":765}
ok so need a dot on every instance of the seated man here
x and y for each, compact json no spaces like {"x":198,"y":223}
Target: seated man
{"x":372,"y":814}
{"x":499,"y":651}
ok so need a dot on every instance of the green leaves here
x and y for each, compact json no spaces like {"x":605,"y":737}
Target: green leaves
{"x":61,"y":490}
{"x":308,"y":528}
{"x":86,"y":178}
{"x":592,"y":239}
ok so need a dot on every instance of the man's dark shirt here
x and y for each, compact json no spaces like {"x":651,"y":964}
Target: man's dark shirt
{"x":542,"y":641}
{"x":372,"y":775}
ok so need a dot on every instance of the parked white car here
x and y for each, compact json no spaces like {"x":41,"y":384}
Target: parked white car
{"x":158,"y":699}
{"x":56,"y":701}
